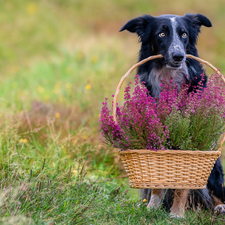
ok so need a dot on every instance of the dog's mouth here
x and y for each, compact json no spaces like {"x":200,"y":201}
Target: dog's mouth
{"x":173,"y":66}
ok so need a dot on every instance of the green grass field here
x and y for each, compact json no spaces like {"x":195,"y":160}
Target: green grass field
{"x":59,"y":60}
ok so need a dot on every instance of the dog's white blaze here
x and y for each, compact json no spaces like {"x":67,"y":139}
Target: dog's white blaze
{"x":173,"y":19}
{"x":176,"y":43}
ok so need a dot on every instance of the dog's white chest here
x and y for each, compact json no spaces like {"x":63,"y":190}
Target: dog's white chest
{"x":157,"y":76}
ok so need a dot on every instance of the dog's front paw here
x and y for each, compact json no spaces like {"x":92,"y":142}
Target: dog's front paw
{"x":176,"y":216}
{"x":219,"y":209}
{"x":177,"y":212}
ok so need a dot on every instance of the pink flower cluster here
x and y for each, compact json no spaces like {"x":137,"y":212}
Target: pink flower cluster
{"x":148,"y":123}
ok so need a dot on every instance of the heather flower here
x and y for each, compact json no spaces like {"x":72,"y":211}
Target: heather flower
{"x":177,"y":120}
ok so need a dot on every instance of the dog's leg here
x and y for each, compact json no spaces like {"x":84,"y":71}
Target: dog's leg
{"x":156,"y":198}
{"x":179,"y":202}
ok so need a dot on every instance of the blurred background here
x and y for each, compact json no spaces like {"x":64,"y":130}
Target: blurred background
{"x":59,"y":59}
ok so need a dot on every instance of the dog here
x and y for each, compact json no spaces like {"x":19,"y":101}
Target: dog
{"x":175,"y":36}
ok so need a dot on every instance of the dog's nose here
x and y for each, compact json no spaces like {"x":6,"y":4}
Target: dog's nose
{"x":178,"y":57}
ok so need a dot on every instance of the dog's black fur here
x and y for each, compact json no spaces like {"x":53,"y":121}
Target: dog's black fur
{"x":174,"y":37}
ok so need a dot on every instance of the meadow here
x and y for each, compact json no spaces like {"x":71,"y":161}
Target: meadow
{"x":59,"y":59}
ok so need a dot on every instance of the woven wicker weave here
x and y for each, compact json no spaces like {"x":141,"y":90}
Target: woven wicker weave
{"x":177,"y":169}
{"x":163,"y":169}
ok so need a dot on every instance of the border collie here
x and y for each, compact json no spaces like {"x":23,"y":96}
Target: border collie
{"x":175,"y":36}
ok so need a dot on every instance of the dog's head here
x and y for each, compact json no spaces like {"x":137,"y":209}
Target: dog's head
{"x":170,"y":35}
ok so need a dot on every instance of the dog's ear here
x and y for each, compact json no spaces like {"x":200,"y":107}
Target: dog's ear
{"x":140,"y":26}
{"x":196,"y":21}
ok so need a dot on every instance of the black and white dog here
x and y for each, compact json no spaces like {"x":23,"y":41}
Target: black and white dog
{"x":175,"y":36}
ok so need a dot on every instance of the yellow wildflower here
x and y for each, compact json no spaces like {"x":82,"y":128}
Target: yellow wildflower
{"x":144,"y":200}
{"x":23,"y":141}
{"x":75,"y":171}
{"x":31,"y":8}
{"x":41,"y":89}
{"x":88,"y":87}
{"x":57,"y":115}
{"x":94,"y":58}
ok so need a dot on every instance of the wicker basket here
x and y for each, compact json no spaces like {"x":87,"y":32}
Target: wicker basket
{"x":163,"y":169}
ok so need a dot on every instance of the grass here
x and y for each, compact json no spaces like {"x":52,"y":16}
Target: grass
{"x":70,"y":198}
{"x":66,"y":196}
{"x":59,"y":60}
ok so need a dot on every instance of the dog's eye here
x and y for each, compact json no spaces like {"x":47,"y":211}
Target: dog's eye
{"x":184,"y":35}
{"x":162,"y":35}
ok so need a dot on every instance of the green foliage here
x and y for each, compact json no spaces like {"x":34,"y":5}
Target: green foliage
{"x":194,"y":131}
{"x":179,"y":127}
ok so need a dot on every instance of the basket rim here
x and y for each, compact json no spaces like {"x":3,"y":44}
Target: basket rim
{"x":169,"y":151}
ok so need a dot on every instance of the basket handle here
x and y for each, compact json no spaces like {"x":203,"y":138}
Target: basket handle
{"x":151,"y":58}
